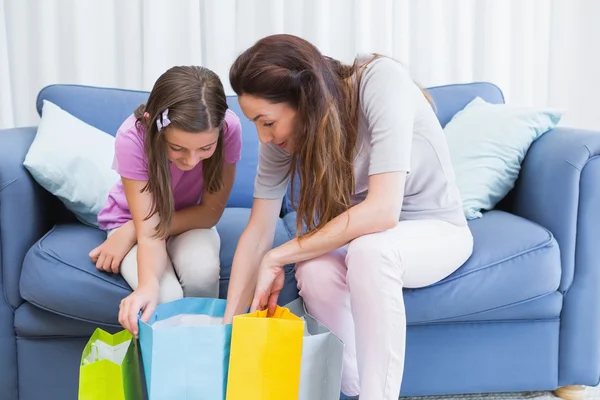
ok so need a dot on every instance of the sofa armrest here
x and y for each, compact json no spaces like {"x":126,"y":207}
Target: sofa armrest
{"x":559,"y":188}
{"x":23,"y":205}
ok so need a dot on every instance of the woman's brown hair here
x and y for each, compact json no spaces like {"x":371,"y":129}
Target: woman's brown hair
{"x":196,"y":102}
{"x":288,"y":69}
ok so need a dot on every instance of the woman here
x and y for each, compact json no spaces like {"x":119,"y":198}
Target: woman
{"x":176,"y":156}
{"x":378,"y":209}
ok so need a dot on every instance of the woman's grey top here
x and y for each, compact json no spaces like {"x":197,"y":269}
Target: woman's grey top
{"x":397,"y":131}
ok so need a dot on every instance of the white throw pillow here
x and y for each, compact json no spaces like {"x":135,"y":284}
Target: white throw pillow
{"x":487,"y":144}
{"x":72,"y":160}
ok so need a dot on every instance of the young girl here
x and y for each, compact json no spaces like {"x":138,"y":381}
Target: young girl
{"x":176,"y":156}
{"x":377,"y":197}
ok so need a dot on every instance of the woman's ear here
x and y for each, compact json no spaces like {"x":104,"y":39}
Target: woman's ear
{"x":146,"y":116}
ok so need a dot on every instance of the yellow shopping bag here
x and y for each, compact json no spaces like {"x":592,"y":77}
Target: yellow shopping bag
{"x":265,"y":356}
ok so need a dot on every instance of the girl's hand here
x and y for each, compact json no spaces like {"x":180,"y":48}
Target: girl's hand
{"x":144,"y":298}
{"x":108,"y":255}
{"x":270,"y":281}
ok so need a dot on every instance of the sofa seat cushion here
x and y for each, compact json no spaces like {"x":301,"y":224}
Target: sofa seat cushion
{"x":230,"y":228}
{"x":514,"y":262}
{"x":33,"y":322}
{"x":59,"y":277}
{"x":513,"y":273}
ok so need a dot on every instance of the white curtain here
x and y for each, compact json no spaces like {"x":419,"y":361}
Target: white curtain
{"x":540,"y":52}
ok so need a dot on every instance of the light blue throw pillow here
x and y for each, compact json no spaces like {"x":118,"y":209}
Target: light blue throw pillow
{"x":72,"y":160}
{"x":487,"y":144}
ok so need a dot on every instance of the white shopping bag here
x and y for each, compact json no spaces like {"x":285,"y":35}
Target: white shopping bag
{"x":322,"y":352}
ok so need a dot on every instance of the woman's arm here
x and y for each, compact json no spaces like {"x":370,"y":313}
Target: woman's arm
{"x":378,"y":212}
{"x":389,"y":99}
{"x":209,"y":211}
{"x":254,"y":243}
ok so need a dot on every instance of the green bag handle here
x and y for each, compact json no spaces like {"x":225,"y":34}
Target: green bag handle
{"x":94,"y":351}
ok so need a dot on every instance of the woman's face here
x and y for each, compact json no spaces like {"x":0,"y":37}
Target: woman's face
{"x":186,"y":149}
{"x":274,"y":122}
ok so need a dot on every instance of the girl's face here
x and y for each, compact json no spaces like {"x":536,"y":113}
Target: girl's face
{"x":274,"y":122}
{"x":186,"y":149}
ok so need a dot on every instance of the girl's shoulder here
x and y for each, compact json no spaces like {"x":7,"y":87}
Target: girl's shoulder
{"x":232,"y":137}
{"x":233,"y":125}
{"x":130,"y":127}
{"x":129,"y":160}
{"x":130,"y":136}
{"x":232,"y":119}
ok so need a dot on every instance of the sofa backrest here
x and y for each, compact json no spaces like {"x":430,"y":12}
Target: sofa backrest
{"x":449,"y":100}
{"x":103,"y":108}
{"x":107,"y":108}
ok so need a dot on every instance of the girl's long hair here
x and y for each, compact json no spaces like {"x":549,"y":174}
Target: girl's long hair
{"x":196,"y":102}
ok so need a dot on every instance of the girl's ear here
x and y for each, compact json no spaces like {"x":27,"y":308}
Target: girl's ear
{"x":146,"y":116}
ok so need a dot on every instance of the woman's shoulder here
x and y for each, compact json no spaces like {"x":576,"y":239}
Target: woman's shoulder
{"x":384,"y":79}
{"x":381,"y":68}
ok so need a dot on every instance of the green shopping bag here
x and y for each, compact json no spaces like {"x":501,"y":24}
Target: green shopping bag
{"x":110,"y":368}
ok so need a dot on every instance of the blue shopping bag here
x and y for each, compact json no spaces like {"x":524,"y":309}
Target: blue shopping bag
{"x":185,"y":350}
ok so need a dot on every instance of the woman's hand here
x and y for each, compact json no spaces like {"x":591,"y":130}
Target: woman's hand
{"x":255,"y":242}
{"x":230,"y":313}
{"x":144,"y":298}
{"x":108,"y":255}
{"x":270,"y":281}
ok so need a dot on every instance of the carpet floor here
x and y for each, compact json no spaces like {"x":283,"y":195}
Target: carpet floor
{"x":591,"y":393}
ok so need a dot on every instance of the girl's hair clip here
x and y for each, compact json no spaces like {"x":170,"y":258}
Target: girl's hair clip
{"x":163,"y":120}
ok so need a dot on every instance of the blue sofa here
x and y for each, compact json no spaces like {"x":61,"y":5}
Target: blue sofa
{"x":523,"y":313}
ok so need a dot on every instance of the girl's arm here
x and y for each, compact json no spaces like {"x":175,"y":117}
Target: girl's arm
{"x":209,"y":211}
{"x":152,"y":251}
{"x":254,"y":243}
{"x":204,"y":215}
{"x":378,"y":212}
{"x":151,"y":258}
